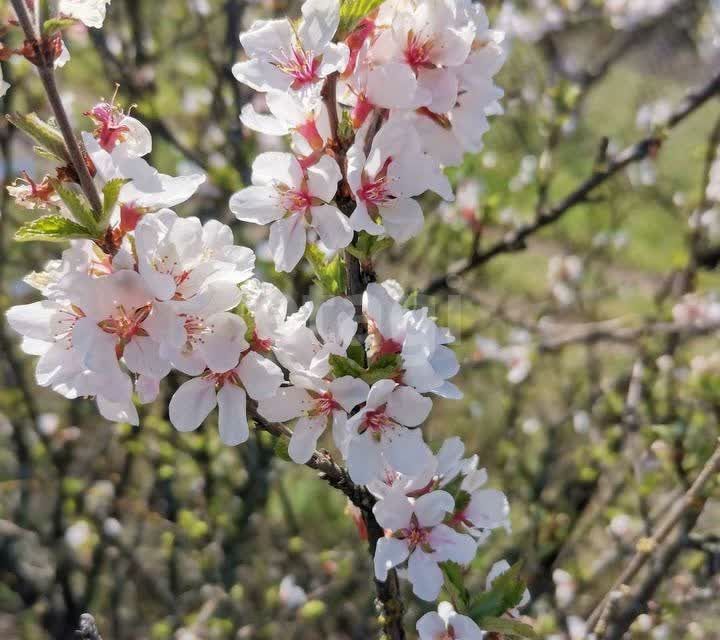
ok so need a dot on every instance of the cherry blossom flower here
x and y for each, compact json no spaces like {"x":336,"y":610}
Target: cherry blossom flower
{"x":482,"y":509}
{"x":694,"y":310}
{"x":81,"y":334}
{"x":385,"y":180}
{"x":271,"y":323}
{"x":90,"y":12}
{"x":380,"y":84}
{"x":414,"y":532}
{"x":292,"y":199}
{"x":517,"y":356}
{"x":29,"y":194}
{"x":447,"y":623}
{"x":429,"y":39}
{"x":303,"y":352}
{"x":114,"y":127}
{"x":254,"y":376}
{"x":179,"y":257}
{"x":283,"y":57}
{"x":314,"y":401}
{"x":427,"y":363}
{"x":291,"y":594}
{"x":564,"y":276}
{"x":304,"y":116}
{"x":383,"y":432}
{"x":147,"y":189}
{"x":448,"y":136}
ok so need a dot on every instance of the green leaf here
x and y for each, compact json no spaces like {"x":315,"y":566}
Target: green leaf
{"x":47,"y":136}
{"x":411,"y":302}
{"x":57,"y":24}
{"x":48,"y":155}
{"x":346,"y":131}
{"x":245,"y":313}
{"x":111,"y":193}
{"x":329,"y":275}
{"x":356,"y":352}
{"x":52,"y":229}
{"x":387,"y":366}
{"x":79,"y":207}
{"x":367,"y":246}
{"x":455,"y":582}
{"x":342,"y":366}
{"x":505,"y":593}
{"x":508,"y":627}
{"x":280,"y":447}
{"x":351,"y":12}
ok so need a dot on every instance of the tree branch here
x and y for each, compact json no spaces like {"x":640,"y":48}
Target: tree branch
{"x":47,"y":76}
{"x":647,"y":546}
{"x":516,"y":239}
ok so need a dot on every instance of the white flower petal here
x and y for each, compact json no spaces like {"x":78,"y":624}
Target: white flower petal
{"x":389,"y":553}
{"x":304,"y":438}
{"x":192,"y":403}
{"x":260,"y":377}
{"x":232,"y":415}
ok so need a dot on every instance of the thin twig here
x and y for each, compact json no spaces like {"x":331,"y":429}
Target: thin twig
{"x":47,"y":76}
{"x":516,"y":239}
{"x":647,"y":546}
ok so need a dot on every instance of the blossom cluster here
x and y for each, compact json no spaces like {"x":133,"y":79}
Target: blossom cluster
{"x":375,"y":111}
{"x":415,"y":90}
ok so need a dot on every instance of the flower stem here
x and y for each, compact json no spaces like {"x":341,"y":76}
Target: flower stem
{"x":357,"y":277}
{"x":47,"y":76}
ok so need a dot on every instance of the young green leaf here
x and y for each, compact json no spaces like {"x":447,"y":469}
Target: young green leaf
{"x":111,"y":193}
{"x":342,"y":366}
{"x":505,"y":593}
{"x":52,"y":228}
{"x":351,"y":12}
{"x":508,"y":627}
{"x":57,"y":24}
{"x":367,"y":246}
{"x":329,"y":275}
{"x":79,"y":207}
{"x":455,"y":583}
{"x":356,"y":352}
{"x":47,"y":136}
{"x":280,"y":448}
{"x":387,"y":366}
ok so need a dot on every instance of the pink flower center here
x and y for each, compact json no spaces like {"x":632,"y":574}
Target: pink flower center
{"x":325,"y":404}
{"x":297,"y":201}
{"x":302,"y":66}
{"x":375,"y":420}
{"x":417,"y":51}
{"x":388,"y":347}
{"x":415,"y":535}
{"x":65,"y":322}
{"x":126,"y":324}
{"x":220,"y":379}
{"x":261,"y":345}
{"x":38,"y":191}
{"x":109,"y":131}
{"x":374,"y":191}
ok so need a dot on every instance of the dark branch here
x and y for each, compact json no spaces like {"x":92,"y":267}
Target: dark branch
{"x":516,"y":239}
